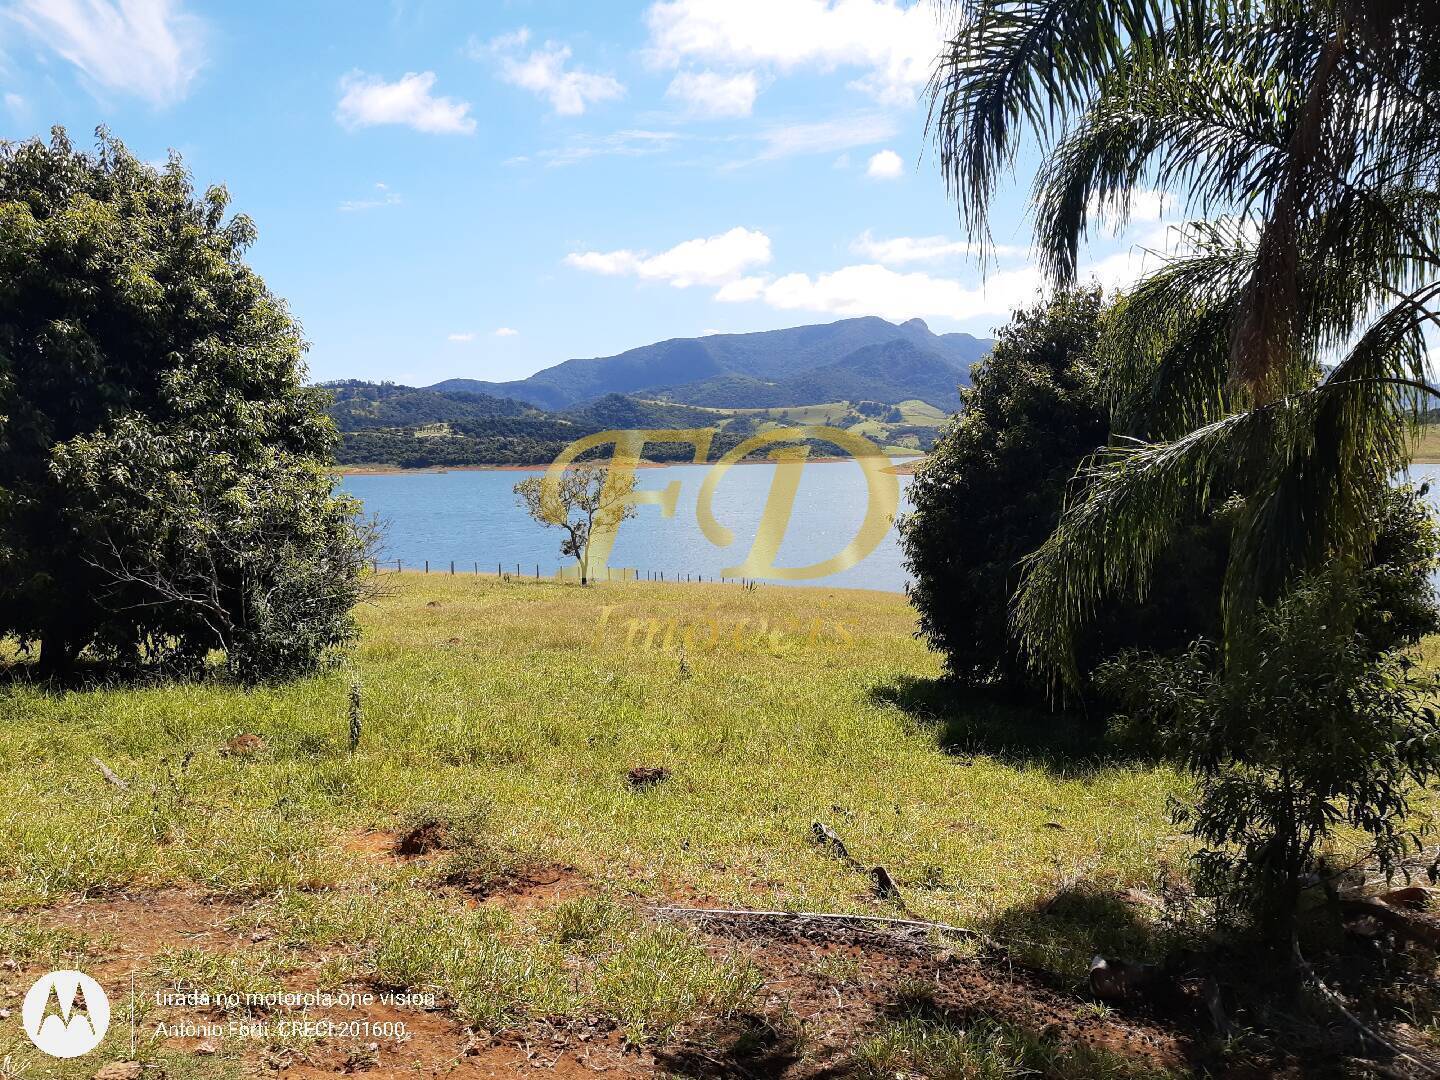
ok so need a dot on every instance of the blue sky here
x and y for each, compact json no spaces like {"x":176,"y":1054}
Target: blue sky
{"x":453,"y":189}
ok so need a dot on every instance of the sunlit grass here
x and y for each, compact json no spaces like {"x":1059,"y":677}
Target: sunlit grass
{"x":513,"y":711}
{"x":511,"y":692}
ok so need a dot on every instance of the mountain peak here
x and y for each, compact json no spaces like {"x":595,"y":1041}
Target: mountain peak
{"x":746,"y":363}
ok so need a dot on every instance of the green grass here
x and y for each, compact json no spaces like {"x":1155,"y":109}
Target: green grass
{"x":1427,"y":447}
{"x":761,"y":739}
{"x":925,"y":1049}
{"x":496,"y":704}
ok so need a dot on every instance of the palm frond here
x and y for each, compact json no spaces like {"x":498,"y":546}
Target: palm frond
{"x":1021,"y":66}
{"x":1128,"y":502}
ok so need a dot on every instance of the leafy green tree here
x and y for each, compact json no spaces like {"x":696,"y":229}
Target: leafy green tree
{"x":1276,"y":359}
{"x":994,"y":487}
{"x":1280,"y":352}
{"x":1301,"y":734}
{"x":580,"y":501}
{"x":162,"y":481}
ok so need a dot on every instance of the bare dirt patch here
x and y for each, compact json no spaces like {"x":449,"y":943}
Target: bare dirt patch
{"x":134,"y":927}
{"x":531,"y":888}
{"x":826,"y":988}
{"x":373,"y":845}
{"x":423,"y":838}
{"x":129,"y":932}
{"x":885,"y":976}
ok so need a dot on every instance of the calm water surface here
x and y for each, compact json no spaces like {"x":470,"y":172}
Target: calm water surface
{"x":472,"y":517}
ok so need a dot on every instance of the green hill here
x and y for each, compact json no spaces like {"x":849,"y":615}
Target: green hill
{"x":805,"y":363}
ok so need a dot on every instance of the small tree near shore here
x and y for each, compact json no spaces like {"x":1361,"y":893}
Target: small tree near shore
{"x":582,"y":500}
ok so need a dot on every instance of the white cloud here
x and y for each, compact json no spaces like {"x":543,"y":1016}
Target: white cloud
{"x":710,"y":94}
{"x":1151,"y":205}
{"x":714,"y":260}
{"x":368,"y":100}
{"x":150,"y":49}
{"x":15,"y":104}
{"x":903,"y":250}
{"x":886,"y":165}
{"x":506,"y":331}
{"x":543,"y":72}
{"x":383,"y":197}
{"x":516,"y":39}
{"x":632,"y":143}
{"x":892,"y":45}
{"x":1145,"y":207}
{"x":825,"y":136}
{"x":741,"y":290}
{"x":1144,"y":255}
{"x":878,"y":290}
{"x":875,"y":289}
{"x":461,"y":338}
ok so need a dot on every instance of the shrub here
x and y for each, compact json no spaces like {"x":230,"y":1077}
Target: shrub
{"x":1303,"y":729}
{"x":162,"y":482}
{"x":992,"y":492}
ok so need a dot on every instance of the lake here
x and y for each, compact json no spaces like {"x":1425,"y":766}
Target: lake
{"x":471,"y":517}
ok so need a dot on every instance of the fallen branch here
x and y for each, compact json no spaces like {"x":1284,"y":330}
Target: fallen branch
{"x":1406,"y":925}
{"x":109,"y":774}
{"x":800,"y":916}
{"x":1364,"y":1030}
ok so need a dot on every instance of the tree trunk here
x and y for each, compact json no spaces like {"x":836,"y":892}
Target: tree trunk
{"x":57,"y":658}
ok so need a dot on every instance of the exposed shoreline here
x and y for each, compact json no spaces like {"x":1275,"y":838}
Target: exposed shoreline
{"x":900,"y":466}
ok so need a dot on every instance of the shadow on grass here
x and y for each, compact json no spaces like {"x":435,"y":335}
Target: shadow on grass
{"x":1057,"y":937}
{"x":925,"y":1036}
{"x":969,"y":721}
{"x":93,"y":675}
{"x":744,"y":1046}
{"x":1040,"y":1018}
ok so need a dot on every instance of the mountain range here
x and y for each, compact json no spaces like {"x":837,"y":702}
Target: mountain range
{"x":894,"y":384}
{"x":853,"y":359}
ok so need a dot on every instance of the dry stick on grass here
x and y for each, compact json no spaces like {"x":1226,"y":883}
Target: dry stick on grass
{"x":800,"y":916}
{"x":1365,"y":1031}
{"x":109,"y":774}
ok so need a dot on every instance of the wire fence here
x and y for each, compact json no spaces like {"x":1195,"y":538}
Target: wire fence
{"x":452,"y":568}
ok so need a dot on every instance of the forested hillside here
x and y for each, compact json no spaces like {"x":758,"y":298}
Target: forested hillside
{"x":405,"y":427}
{"x":801,"y":365}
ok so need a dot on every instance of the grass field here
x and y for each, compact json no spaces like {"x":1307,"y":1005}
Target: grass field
{"x":1427,"y":449}
{"x":505,"y":717}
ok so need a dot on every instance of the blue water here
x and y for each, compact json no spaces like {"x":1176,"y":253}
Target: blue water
{"x":472,"y":518}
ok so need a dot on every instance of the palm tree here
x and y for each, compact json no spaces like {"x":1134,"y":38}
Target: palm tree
{"x":1279,"y":354}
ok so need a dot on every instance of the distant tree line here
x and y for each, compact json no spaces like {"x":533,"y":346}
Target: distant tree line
{"x":384,"y":424}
